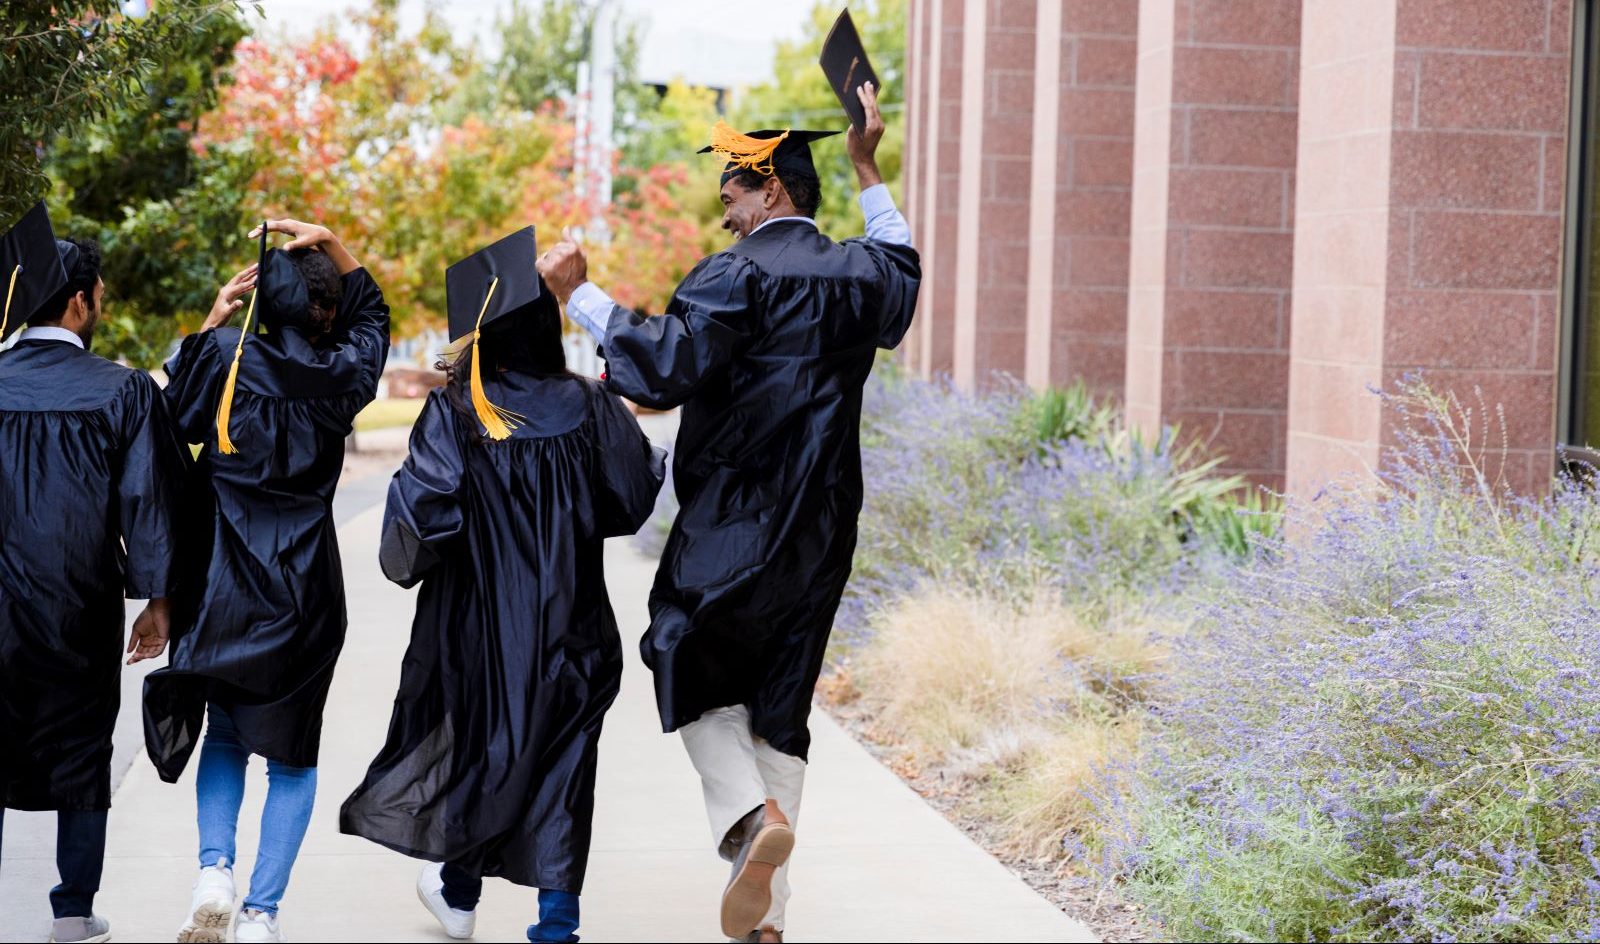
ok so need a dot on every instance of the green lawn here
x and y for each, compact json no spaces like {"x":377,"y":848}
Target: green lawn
{"x":383,"y":414}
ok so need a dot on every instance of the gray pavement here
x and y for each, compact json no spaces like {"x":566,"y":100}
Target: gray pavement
{"x":874,"y":861}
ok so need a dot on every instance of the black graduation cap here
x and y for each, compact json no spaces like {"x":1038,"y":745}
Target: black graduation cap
{"x":507,"y":267}
{"x":765,"y":152}
{"x":493,"y":285}
{"x":844,"y":62}
{"x":33,"y":267}
{"x":281,"y":295}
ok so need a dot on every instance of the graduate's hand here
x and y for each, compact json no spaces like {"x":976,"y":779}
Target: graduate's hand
{"x":563,"y":267}
{"x":863,"y":145}
{"x":149,"y":636}
{"x":303,"y":235}
{"x":230,"y":298}
{"x":312,"y":236}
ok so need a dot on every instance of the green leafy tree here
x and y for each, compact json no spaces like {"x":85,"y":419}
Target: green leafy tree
{"x":134,"y":181}
{"x":64,"y":66}
{"x":798,"y":96}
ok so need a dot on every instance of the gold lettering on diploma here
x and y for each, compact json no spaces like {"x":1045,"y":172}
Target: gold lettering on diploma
{"x":845,"y":88}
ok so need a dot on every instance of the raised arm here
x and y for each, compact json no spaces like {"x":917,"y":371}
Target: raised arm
{"x":884,"y":221}
{"x":661,"y":361}
{"x":363,"y":315}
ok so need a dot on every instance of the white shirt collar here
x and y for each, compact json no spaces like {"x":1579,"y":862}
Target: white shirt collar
{"x":49,"y":333}
{"x":780,"y":219}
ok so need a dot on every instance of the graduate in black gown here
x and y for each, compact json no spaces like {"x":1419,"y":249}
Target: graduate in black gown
{"x":518,"y":472}
{"x":91,"y":471}
{"x":259,"y":623}
{"x":766,"y":346}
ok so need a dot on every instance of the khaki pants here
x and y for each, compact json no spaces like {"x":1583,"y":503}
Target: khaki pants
{"x":738,"y":772}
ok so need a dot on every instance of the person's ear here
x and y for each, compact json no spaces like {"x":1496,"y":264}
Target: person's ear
{"x":770,"y":191}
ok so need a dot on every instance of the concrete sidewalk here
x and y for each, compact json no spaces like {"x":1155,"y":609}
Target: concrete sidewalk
{"x":874,"y":861}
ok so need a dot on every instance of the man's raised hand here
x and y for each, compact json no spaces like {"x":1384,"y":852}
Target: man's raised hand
{"x":863,"y":145}
{"x":563,"y":268}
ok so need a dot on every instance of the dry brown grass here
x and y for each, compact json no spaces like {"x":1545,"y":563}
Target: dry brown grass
{"x":1027,"y":706}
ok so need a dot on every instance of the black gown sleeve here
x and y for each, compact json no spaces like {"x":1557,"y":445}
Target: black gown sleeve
{"x":899,"y":271}
{"x":424,"y":512}
{"x":631,"y":469}
{"x":661,"y":361}
{"x":195,"y":375}
{"x":155,"y":463}
{"x":365,"y":318}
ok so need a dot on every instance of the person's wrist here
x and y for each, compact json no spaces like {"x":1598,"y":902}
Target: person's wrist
{"x":867,"y":173}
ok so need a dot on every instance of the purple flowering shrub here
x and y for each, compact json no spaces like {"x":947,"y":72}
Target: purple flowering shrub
{"x":1009,"y":491}
{"x":1390,"y":728}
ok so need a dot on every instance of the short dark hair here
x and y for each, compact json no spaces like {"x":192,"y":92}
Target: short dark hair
{"x":323,"y":287}
{"x":805,"y":191}
{"x":82,"y":277}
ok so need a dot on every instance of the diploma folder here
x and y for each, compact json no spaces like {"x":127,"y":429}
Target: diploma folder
{"x":844,"y":62}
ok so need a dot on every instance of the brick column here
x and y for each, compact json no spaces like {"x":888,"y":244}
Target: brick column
{"x":1083,"y":175}
{"x":1211,"y":251}
{"x":996,"y":146}
{"x":1431,"y":167}
{"x":934,"y":148}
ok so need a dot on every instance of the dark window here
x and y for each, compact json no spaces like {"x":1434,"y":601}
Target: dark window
{"x":1580,"y":368}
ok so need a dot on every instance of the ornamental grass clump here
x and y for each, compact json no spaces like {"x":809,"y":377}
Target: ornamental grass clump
{"x":1390,"y":728}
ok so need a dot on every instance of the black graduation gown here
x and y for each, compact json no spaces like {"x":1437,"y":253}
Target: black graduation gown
{"x":766,"y":344}
{"x":91,"y":470}
{"x":260,"y":619}
{"x":514,"y":655}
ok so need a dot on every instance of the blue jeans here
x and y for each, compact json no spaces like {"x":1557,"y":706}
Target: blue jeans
{"x":558,"y":910}
{"x":219,"y":789}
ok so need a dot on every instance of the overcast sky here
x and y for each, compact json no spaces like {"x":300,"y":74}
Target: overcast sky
{"x":708,"y":42}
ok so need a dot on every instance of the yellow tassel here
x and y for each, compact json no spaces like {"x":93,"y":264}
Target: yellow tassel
{"x":6,"y":315}
{"x":225,"y":410}
{"x":741,"y":149}
{"x":498,"y":421}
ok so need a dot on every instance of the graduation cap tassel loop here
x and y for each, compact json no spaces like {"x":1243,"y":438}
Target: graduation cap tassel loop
{"x":225,"y":410}
{"x":741,"y":149}
{"x":5,"y":316}
{"x":498,"y":421}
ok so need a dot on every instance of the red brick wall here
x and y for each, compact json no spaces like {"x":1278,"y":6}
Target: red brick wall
{"x":1433,"y":166}
{"x":1479,"y":159}
{"x":1007,"y":130}
{"x":1094,"y":183}
{"x":1213,"y":254}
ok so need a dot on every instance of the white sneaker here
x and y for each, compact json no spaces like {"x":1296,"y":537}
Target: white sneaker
{"x":257,"y":927}
{"x":210,"y":908}
{"x":430,"y":890}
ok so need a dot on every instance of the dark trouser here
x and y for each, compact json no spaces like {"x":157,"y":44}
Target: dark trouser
{"x":80,"y":857}
{"x":558,"y":910}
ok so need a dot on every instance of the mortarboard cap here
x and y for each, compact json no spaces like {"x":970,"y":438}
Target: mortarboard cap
{"x":844,"y":62}
{"x":492,"y":286}
{"x":33,"y":267}
{"x":508,"y":266}
{"x":282,"y":298}
{"x":765,"y":152}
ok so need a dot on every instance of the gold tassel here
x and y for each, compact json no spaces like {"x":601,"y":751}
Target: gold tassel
{"x":225,"y":410}
{"x":498,"y":421}
{"x":743,"y":150}
{"x":6,"y":315}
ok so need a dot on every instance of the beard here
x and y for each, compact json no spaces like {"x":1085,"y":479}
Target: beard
{"x":86,"y":333}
